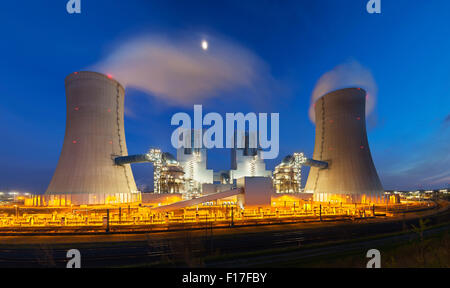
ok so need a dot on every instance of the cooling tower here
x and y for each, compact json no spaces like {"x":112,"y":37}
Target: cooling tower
{"x":95,"y":134}
{"x":341,"y":140}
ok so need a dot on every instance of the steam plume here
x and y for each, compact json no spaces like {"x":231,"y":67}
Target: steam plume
{"x":349,"y":74}
{"x":181,"y":72}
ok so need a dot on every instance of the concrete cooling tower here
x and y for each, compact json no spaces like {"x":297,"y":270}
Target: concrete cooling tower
{"x":341,"y":140}
{"x":95,"y":135}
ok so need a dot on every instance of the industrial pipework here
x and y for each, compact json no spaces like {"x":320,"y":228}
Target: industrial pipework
{"x":161,"y":161}
{"x":294,"y":164}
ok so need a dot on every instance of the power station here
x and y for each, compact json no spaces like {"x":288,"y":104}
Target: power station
{"x":95,"y":135}
{"x":94,"y":166}
{"x":93,"y":189}
{"x":341,"y":141}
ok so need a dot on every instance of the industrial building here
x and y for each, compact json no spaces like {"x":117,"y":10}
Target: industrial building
{"x":193,"y":162}
{"x":95,"y":135}
{"x":168,"y":175}
{"x":247,"y":161}
{"x":341,"y":141}
{"x":285,"y":177}
{"x":172,"y":176}
{"x":94,"y":166}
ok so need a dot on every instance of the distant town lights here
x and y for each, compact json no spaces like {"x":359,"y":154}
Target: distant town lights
{"x":14,"y":193}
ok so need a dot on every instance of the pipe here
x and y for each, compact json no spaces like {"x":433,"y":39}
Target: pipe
{"x":139,"y":158}
{"x":316,"y":163}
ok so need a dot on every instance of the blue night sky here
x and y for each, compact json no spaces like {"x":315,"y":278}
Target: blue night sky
{"x":406,"y":49}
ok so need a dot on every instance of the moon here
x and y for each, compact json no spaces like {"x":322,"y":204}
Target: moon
{"x":205,"y":45}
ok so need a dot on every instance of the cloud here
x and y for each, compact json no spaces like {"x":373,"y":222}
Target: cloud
{"x":179,"y":71}
{"x":349,"y":74}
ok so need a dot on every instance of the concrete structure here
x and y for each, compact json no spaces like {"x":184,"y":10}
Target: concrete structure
{"x":246,"y":161}
{"x":251,"y":193}
{"x":208,"y":188}
{"x":257,"y":192}
{"x":193,"y":162}
{"x":341,"y":140}
{"x":94,"y":136}
{"x":222,"y":177}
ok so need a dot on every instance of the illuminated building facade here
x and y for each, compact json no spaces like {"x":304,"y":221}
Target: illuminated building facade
{"x":341,"y":141}
{"x":285,"y":178}
{"x":171,"y":176}
{"x":193,"y":162}
{"x":95,"y":134}
{"x":246,"y":161}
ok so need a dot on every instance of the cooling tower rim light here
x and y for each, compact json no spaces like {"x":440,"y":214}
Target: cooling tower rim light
{"x":363,"y":91}
{"x":108,"y":77}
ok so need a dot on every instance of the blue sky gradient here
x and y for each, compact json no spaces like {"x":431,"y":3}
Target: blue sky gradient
{"x":406,"y":48}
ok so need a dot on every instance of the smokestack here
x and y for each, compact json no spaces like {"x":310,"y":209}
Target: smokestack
{"x":341,"y":140}
{"x":95,"y":135}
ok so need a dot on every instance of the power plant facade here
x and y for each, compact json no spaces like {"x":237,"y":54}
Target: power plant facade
{"x":341,"y":141}
{"x":285,"y":179}
{"x":247,"y":161}
{"x":95,"y":135}
{"x":94,"y":165}
{"x":193,"y":161}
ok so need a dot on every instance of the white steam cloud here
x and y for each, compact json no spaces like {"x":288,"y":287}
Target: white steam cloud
{"x":181,"y":72}
{"x":349,"y":74}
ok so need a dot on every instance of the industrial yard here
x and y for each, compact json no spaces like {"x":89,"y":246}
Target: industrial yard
{"x":206,"y":245}
{"x":93,"y":188}
{"x":224,"y":134}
